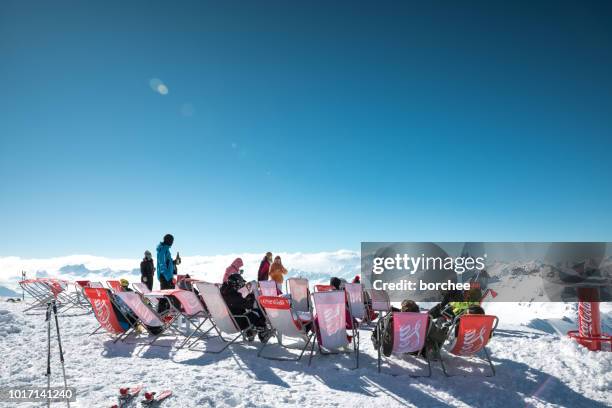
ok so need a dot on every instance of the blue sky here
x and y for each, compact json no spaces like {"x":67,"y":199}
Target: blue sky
{"x":302,"y":127}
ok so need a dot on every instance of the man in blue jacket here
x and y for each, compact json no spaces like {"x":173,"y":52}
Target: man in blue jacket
{"x":165,"y":268}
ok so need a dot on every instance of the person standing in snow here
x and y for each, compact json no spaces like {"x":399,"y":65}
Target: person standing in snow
{"x":277,"y":270}
{"x":233,"y":268}
{"x":165,"y":269}
{"x":264,"y":267}
{"x":147,"y":269}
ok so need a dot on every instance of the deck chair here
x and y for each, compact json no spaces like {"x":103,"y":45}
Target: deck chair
{"x":268,"y":288}
{"x":473,"y":334}
{"x":354,"y":292}
{"x":330,"y":322}
{"x":141,"y":288}
{"x":191,"y":310}
{"x":148,"y":316}
{"x":323,"y":288}
{"x":410,"y":331}
{"x":39,"y":291}
{"x":300,"y":294}
{"x":221,"y":316}
{"x":102,"y":307}
{"x":284,"y":323}
{"x":114,"y":285}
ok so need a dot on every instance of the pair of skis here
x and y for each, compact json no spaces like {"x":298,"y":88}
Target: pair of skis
{"x":151,"y":399}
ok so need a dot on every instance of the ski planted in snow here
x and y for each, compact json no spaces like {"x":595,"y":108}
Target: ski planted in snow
{"x":151,"y":399}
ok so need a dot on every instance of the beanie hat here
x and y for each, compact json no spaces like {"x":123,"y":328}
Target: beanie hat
{"x":168,"y":239}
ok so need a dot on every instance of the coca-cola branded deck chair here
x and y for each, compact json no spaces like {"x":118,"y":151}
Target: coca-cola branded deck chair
{"x":114,"y":285}
{"x":330,"y":323}
{"x":300,"y":294}
{"x":473,"y":334}
{"x":284,"y":323}
{"x":221,"y":317}
{"x":354,"y":293}
{"x":102,"y":307}
{"x":410,"y":331}
{"x":141,"y":288}
{"x":268,"y":288}
{"x":191,"y":310}
{"x":148,"y":316}
{"x":44,"y":290}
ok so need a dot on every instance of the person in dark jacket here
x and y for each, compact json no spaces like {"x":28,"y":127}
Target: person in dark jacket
{"x":240,"y":306}
{"x":264,"y":267}
{"x":147,"y":269}
{"x":387,"y":326}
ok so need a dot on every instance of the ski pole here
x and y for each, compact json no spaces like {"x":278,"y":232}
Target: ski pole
{"x":59,"y":342}
{"x":48,"y":319}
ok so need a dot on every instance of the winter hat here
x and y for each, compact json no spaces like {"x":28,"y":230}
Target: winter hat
{"x":335,"y":282}
{"x":124,"y":282}
{"x":168,"y":239}
{"x":148,"y":254}
{"x":409,"y":306}
{"x":357,"y":279}
{"x":236,"y":281}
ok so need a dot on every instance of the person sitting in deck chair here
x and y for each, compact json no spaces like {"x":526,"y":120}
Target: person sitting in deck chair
{"x":441,"y":326}
{"x":387,"y":326}
{"x":245,"y":306}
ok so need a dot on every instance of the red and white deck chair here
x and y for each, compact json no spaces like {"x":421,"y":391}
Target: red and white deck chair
{"x":102,"y":306}
{"x":221,"y":317}
{"x":300,"y":294}
{"x":354,"y":293}
{"x":268,"y":288}
{"x":473,"y":334}
{"x":45,"y":290}
{"x":148,"y":316}
{"x":39,"y":291}
{"x":141,"y":288}
{"x":114,"y":285}
{"x":192,"y":310}
{"x":330,"y":323}
{"x":410,"y":332}
{"x":284,"y":323}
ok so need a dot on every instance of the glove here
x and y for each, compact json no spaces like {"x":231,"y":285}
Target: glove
{"x":144,"y":279}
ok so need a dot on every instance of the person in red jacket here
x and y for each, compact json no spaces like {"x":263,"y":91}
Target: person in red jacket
{"x":264,"y":267}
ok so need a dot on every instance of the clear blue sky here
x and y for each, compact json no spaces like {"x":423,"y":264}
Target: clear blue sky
{"x":302,"y":126}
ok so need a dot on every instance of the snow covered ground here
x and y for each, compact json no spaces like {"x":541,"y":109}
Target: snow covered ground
{"x":535,"y":367}
{"x":535,"y":362}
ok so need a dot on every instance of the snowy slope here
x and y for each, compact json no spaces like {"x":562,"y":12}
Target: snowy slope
{"x":535,"y":366}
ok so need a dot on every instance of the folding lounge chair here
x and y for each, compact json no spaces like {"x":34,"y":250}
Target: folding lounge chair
{"x":300,"y":294}
{"x":39,"y":291}
{"x":354,"y":292}
{"x":102,"y":307}
{"x":330,"y":322}
{"x":283,"y":323}
{"x":141,"y":288}
{"x":114,"y":285}
{"x":409,"y":334}
{"x":268,"y":288}
{"x":147,"y":316}
{"x":191,"y":309}
{"x":473,"y":334}
{"x":221,"y":316}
